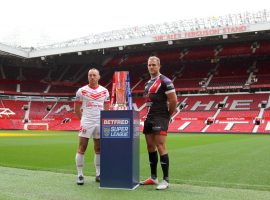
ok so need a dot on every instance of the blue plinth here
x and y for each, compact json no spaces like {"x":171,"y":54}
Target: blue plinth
{"x":120,"y":148}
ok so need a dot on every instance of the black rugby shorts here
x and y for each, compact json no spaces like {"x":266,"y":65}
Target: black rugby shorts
{"x":157,"y":125}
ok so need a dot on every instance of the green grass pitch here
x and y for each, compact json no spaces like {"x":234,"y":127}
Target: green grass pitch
{"x":41,"y":165}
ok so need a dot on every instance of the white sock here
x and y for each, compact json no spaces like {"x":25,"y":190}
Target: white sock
{"x":79,"y":163}
{"x":97,"y":164}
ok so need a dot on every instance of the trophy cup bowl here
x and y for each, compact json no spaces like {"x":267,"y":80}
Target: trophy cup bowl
{"x":121,"y":91}
{"x":120,"y":97}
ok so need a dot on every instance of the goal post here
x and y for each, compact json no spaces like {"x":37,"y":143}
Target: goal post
{"x":36,"y":126}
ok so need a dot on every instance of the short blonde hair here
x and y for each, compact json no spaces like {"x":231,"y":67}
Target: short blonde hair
{"x":94,"y":69}
{"x":154,"y":58}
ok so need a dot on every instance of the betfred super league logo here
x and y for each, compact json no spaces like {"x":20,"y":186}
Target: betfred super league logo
{"x":115,"y":128}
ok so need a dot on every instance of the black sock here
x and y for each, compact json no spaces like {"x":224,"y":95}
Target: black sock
{"x":153,"y":159}
{"x":164,"y":161}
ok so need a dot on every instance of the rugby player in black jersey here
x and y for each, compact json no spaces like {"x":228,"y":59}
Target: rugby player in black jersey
{"x":161,"y":100}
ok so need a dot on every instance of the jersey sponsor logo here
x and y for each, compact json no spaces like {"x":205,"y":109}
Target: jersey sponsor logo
{"x":93,"y":105}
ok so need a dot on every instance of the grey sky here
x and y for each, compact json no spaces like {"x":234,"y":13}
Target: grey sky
{"x":37,"y":22}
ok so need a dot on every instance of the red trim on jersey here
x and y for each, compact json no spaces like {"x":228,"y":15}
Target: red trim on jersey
{"x":98,"y":95}
{"x":156,"y":85}
{"x":94,"y":88}
{"x":94,"y":96}
{"x":163,"y":132}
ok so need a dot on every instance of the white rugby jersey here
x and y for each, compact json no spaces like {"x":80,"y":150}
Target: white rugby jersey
{"x":92,"y":101}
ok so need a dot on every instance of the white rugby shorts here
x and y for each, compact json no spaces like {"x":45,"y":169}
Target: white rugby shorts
{"x":90,"y":131}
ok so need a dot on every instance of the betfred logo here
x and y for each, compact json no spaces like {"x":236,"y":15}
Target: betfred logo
{"x":115,"y":121}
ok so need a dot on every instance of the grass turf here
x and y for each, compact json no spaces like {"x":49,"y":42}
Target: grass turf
{"x":229,"y":161}
{"x":19,"y":184}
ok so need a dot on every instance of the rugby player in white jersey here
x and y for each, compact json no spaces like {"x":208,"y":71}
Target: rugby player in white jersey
{"x":90,"y":100}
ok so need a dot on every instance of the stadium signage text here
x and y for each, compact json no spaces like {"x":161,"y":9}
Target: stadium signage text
{"x":114,"y":121}
{"x":201,"y":33}
{"x":115,"y":128}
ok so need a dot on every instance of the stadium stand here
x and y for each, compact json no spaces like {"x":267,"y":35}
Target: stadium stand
{"x":222,"y":79}
{"x":192,"y":118}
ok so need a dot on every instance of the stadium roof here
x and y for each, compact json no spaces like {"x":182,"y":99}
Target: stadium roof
{"x":178,"y":30}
